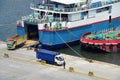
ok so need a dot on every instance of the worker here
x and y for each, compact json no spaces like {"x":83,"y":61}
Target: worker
{"x":64,"y":64}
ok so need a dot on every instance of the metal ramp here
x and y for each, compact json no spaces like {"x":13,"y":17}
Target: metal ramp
{"x":31,"y":43}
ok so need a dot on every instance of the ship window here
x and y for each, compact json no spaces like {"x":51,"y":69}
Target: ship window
{"x":108,"y":8}
{"x":57,"y":58}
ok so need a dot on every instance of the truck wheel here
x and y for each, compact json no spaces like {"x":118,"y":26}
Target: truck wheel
{"x":39,"y":60}
{"x":56,"y":64}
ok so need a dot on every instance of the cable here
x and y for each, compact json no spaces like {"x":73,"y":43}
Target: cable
{"x":72,"y":33}
{"x":68,"y":45}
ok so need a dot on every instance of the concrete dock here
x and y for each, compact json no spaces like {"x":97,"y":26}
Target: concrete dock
{"x":21,"y":64}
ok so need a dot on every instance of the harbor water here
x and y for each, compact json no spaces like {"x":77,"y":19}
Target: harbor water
{"x":13,"y":10}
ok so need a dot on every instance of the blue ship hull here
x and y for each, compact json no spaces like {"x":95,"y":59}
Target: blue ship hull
{"x":59,"y":39}
{"x":59,"y":46}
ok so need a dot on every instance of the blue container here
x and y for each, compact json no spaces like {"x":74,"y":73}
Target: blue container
{"x":46,"y":55}
{"x":96,"y":4}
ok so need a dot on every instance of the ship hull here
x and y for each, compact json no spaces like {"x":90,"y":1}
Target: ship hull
{"x":60,"y":46}
{"x":60,"y":38}
{"x":103,"y":45}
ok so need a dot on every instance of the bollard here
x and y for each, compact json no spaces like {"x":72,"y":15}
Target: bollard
{"x":6,"y":55}
{"x":43,"y":62}
{"x":27,"y":48}
{"x":71,"y":69}
{"x":30,"y":48}
{"x":90,"y":61}
{"x":91,"y":73}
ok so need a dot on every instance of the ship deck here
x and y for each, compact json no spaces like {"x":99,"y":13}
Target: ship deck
{"x":107,"y":35}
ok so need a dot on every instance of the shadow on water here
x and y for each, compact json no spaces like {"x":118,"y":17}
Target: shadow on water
{"x":113,"y":58}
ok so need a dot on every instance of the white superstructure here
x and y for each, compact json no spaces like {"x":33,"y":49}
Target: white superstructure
{"x":73,"y":13}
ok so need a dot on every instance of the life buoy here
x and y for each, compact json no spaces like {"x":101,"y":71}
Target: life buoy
{"x":92,"y":45}
{"x":97,"y":46}
{"x":111,"y":47}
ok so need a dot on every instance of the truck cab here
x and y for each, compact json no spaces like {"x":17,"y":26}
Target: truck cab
{"x":59,"y":59}
{"x":10,"y":44}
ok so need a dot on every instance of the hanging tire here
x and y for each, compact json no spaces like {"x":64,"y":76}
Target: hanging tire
{"x":103,"y":46}
{"x":118,"y":45}
{"x":111,"y":47}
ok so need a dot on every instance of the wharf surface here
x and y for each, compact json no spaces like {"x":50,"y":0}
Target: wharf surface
{"x":21,"y":64}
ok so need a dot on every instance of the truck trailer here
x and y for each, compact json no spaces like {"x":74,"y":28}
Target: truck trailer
{"x":49,"y":56}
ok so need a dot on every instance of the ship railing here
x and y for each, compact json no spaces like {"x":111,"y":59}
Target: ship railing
{"x":99,"y":42}
{"x":43,"y":7}
{"x":73,"y":9}
{"x":37,"y":21}
{"x":56,"y":25}
{"x":32,"y":18}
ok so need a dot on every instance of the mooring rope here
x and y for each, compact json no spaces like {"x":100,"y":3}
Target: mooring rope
{"x":68,"y":45}
{"x":72,"y":33}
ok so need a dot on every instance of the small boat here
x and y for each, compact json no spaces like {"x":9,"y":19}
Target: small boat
{"x":107,"y":40}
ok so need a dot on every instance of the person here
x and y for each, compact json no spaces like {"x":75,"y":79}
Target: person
{"x":64,"y":64}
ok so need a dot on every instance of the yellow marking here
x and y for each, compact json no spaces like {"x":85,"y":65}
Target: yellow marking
{"x":43,"y":62}
{"x":32,"y":62}
{"x":91,"y":73}
{"x":71,"y":69}
{"x":76,"y":72}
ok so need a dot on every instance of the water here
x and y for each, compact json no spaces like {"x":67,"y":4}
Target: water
{"x":10,"y":12}
{"x":13,"y":10}
{"x":113,"y":58}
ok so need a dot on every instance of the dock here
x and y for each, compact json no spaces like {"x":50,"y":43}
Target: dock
{"x":21,"y":64}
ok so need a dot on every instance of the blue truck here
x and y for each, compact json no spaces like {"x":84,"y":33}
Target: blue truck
{"x":49,"y":56}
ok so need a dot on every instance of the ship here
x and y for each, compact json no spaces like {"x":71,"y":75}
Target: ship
{"x":60,"y":23}
{"x":106,"y":40}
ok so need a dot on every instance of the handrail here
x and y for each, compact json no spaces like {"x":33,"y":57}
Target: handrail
{"x":79,"y":8}
{"x":99,"y":41}
{"x":84,"y":40}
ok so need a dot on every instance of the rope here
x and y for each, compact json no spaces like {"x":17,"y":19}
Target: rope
{"x":68,"y":45}
{"x":72,"y":33}
{"x":45,"y":16}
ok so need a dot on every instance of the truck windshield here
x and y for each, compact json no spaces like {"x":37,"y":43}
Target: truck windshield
{"x":61,"y":58}
{"x":10,"y":43}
